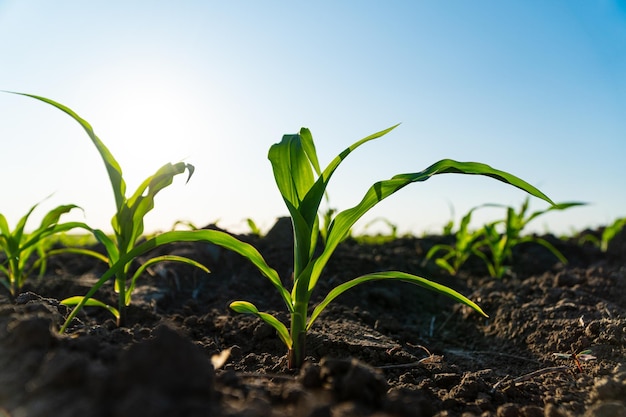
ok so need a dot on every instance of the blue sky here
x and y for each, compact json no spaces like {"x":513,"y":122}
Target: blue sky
{"x":532,"y":87}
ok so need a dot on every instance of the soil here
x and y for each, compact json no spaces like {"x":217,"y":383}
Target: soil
{"x":382,"y":349}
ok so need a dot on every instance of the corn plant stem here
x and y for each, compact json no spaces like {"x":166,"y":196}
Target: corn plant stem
{"x":299,"y":316}
{"x":14,"y":279}
{"x":121,"y":300}
{"x":297,"y":352}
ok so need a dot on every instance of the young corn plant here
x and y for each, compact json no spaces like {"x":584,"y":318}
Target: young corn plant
{"x":127,"y":222}
{"x":465,"y":245}
{"x":610,"y":232}
{"x":125,"y":247}
{"x":393,"y":228}
{"x":18,"y":246}
{"x":500,"y":244}
{"x":302,"y":185}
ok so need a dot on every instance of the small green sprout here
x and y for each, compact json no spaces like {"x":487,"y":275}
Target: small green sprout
{"x":128,"y":223}
{"x":610,"y":232}
{"x":500,"y":244}
{"x":125,"y":247}
{"x":456,"y":254}
{"x":302,"y":185}
{"x":254,"y":228}
{"x":18,"y":246}
{"x":393,"y":228}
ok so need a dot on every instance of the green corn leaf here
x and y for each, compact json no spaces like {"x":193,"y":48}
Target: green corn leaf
{"x":142,"y":201}
{"x":38,"y":235}
{"x":557,"y":253}
{"x":309,"y":149}
{"x":158,"y":259}
{"x":112,"y":167}
{"x":109,"y":245}
{"x":344,"y":221}
{"x":92,"y":302}
{"x":396,"y":276}
{"x":52,"y":217}
{"x":439,"y":248}
{"x":313,"y":199}
{"x":224,"y":240}
{"x":292,"y":169}
{"x":558,"y":206}
{"x":211,"y":236}
{"x":4,"y":227}
{"x":294,"y":177}
{"x":18,"y":232}
{"x":610,"y":232}
{"x":444,"y":264}
{"x":249,"y":308}
{"x":294,"y":160}
{"x":78,"y":251}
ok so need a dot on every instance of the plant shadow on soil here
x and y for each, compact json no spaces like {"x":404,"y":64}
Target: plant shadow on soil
{"x":382,"y":349}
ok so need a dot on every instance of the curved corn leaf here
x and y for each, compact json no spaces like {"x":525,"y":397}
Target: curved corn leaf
{"x":128,"y":221}
{"x":396,"y":276}
{"x":216,"y":237}
{"x":4,"y":226}
{"x":557,"y":253}
{"x":292,"y":169}
{"x":19,"y":228}
{"x":249,"y":308}
{"x":92,"y":302}
{"x":557,"y":206}
{"x":155,"y":260}
{"x":52,"y":217}
{"x":109,"y":245}
{"x":344,"y":221}
{"x":444,"y":264}
{"x":610,"y":232}
{"x":112,"y":166}
{"x":78,"y":251}
{"x":294,"y":161}
{"x":440,"y":247}
{"x":37,"y":236}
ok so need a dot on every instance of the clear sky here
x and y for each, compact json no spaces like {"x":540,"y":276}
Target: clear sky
{"x":533,"y":87}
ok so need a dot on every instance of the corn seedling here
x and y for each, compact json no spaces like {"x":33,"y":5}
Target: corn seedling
{"x":500,"y":244}
{"x":393,"y":228}
{"x":378,"y":237}
{"x":254,"y":228}
{"x":124,"y":246}
{"x":128,"y":222}
{"x":455,"y":255}
{"x":186,"y":224}
{"x":18,"y":246}
{"x":302,"y":185}
{"x":497,"y":250}
{"x":610,"y":232}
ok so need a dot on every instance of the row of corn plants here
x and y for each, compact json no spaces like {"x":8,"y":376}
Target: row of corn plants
{"x":302,"y":184}
{"x":493,"y":243}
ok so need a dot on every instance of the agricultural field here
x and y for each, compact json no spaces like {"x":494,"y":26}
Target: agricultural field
{"x":380,"y":349}
{"x":309,"y":319}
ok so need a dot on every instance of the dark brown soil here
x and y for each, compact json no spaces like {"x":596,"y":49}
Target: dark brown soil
{"x":384,"y":349}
